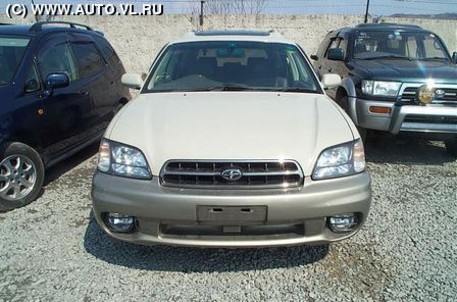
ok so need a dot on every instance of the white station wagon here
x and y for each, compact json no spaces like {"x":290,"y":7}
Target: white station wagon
{"x":232,"y":142}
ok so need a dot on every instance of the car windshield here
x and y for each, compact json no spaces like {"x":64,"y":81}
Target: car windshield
{"x":412,"y":45}
{"x":11,"y":51}
{"x":232,"y":66}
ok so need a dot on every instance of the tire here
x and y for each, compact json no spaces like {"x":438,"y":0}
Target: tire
{"x":21,"y":175}
{"x":344,"y":103}
{"x":451,"y":146}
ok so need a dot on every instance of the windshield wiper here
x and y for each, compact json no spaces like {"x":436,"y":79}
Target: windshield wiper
{"x":392,"y":56}
{"x":227,"y":87}
{"x":432,"y":59}
{"x":230,"y":87}
{"x":297,"y":89}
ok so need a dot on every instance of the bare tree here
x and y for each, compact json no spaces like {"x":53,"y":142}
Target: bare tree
{"x":242,"y":8}
{"x":233,"y":7}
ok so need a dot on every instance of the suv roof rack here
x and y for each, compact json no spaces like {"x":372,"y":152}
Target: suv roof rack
{"x":39,"y":25}
{"x":370,"y":25}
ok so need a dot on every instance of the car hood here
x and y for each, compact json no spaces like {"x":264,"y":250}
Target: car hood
{"x":231,"y":125}
{"x":406,"y":70}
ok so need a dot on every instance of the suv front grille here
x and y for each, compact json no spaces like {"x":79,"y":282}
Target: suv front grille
{"x":431,"y":119}
{"x":255,"y":174}
{"x":449,"y":97}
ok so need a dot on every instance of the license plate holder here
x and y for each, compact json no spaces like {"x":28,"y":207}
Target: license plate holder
{"x":231,"y":214}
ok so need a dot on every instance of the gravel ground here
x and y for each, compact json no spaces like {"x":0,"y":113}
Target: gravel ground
{"x":52,"y":250}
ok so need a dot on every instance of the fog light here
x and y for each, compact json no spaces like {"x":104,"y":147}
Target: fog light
{"x":120,"y":223}
{"x":343,"y":223}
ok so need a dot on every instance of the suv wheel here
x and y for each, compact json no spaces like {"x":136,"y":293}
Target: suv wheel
{"x":21,"y":175}
{"x":451,"y":146}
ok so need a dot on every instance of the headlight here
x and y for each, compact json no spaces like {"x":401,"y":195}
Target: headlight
{"x":122,"y":160}
{"x":380,"y":88}
{"x":341,"y":160}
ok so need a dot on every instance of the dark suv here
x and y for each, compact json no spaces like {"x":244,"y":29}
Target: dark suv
{"x":60,"y":84}
{"x":395,"y":78}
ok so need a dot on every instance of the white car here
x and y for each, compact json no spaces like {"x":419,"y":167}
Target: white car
{"x":232,"y":142}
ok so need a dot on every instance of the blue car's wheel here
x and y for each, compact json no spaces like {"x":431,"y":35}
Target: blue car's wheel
{"x":21,"y":175}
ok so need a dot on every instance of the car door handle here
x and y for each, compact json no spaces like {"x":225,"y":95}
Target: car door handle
{"x":84,"y":93}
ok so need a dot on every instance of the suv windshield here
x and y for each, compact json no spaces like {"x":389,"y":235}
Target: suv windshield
{"x":232,"y":66}
{"x":411,"y":45}
{"x":11,"y":51}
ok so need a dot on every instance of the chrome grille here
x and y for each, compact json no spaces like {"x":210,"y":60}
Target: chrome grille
{"x":260,"y":174}
{"x":409,"y":94}
{"x":449,"y":97}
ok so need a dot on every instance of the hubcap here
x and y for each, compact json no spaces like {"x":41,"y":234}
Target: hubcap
{"x":17,"y":177}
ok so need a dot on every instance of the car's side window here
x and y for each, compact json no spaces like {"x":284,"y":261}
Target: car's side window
{"x":32,"y":82}
{"x":58,"y":59}
{"x":323,"y":47}
{"x":108,"y":51}
{"x":343,"y":45}
{"x":88,"y":58}
{"x":336,"y":43}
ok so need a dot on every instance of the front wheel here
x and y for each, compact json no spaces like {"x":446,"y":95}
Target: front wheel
{"x":21,"y":175}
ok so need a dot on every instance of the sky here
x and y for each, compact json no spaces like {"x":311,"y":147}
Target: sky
{"x":377,"y":7}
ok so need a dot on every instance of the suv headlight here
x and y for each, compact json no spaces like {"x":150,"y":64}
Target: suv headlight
{"x":118,"y":159}
{"x":381,"y":88}
{"x":341,"y":160}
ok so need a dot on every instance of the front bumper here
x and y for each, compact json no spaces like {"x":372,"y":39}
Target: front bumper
{"x":171,"y":216}
{"x":408,"y":118}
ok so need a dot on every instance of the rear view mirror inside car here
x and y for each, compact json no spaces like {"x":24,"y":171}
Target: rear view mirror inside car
{"x":230,"y":53}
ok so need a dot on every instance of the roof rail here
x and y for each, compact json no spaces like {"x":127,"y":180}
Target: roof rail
{"x":1,"y":23}
{"x":39,"y":25}
{"x":368,"y":25}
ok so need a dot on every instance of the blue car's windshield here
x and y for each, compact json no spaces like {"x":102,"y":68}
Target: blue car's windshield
{"x":232,"y":66}
{"x":11,"y":51}
{"x":394,"y":44}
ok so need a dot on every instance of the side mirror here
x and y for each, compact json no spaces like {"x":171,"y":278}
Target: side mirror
{"x":314,"y":57}
{"x":56,"y":80}
{"x":133,"y":80}
{"x":336,"y":54}
{"x":330,"y":80}
{"x":454,"y":57}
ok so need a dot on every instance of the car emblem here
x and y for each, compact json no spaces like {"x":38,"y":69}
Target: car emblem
{"x":232,"y":174}
{"x":439,"y":93}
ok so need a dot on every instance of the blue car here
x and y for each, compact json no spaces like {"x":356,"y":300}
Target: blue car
{"x":60,"y":85}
